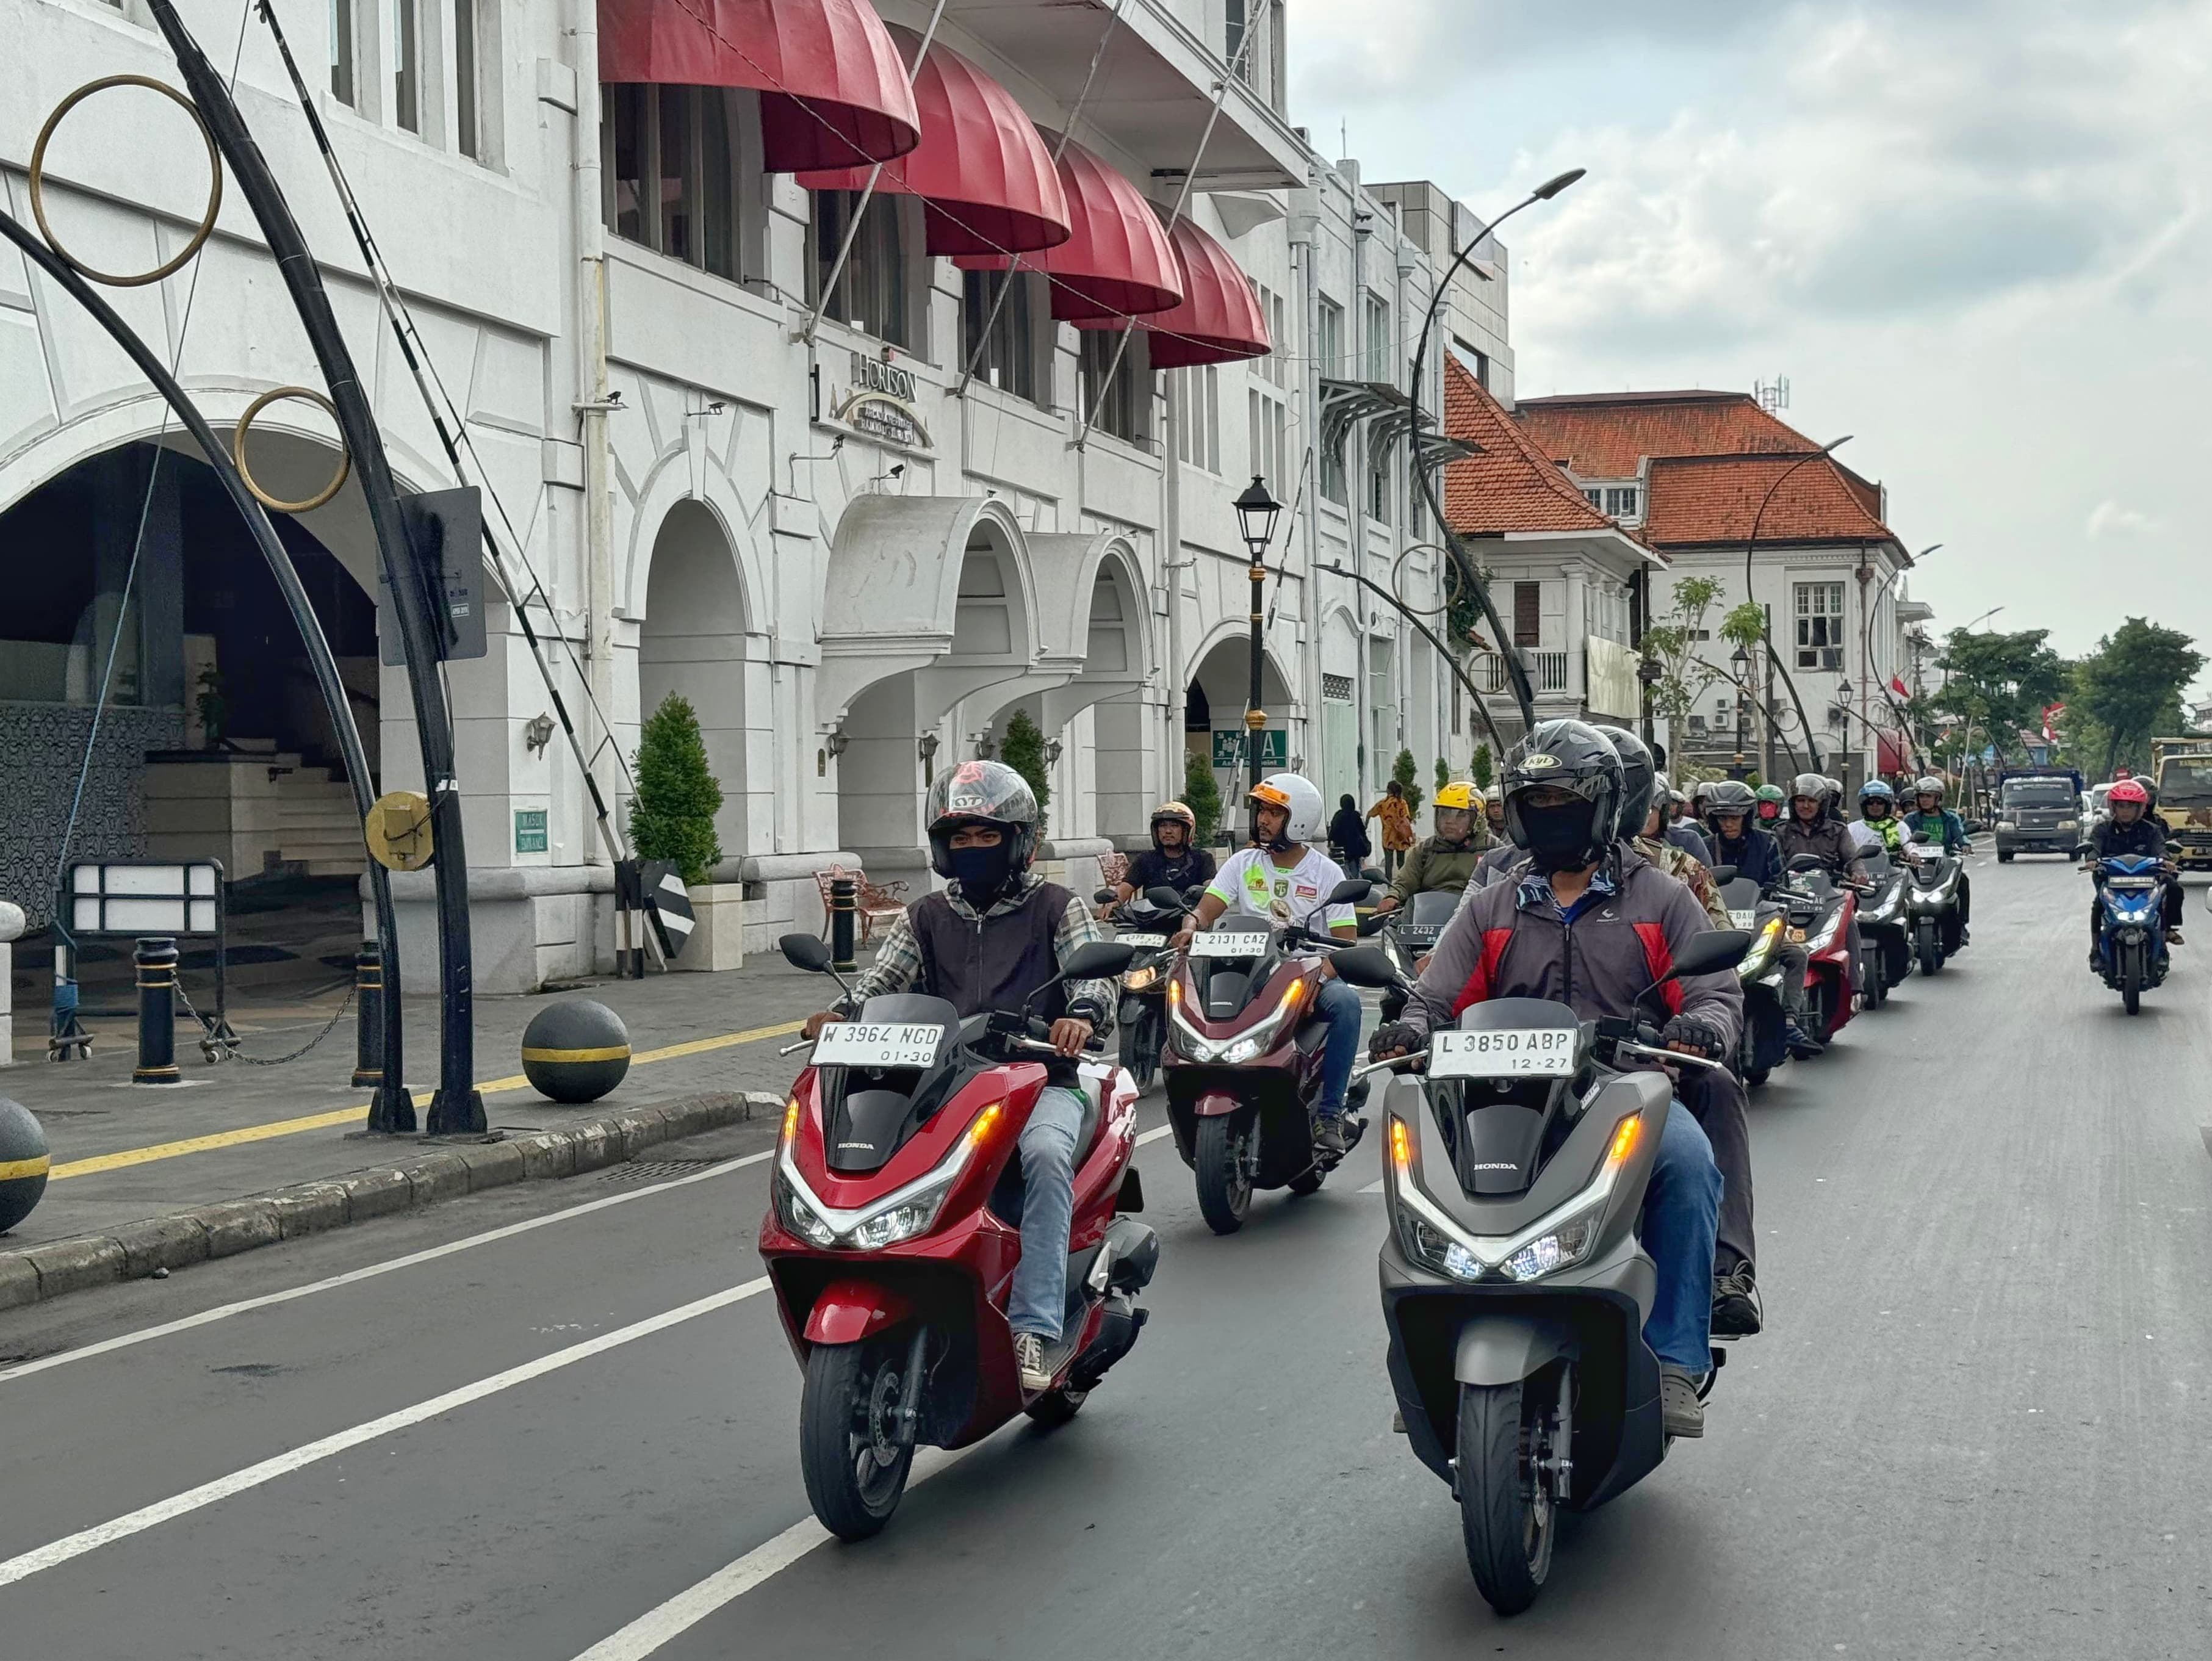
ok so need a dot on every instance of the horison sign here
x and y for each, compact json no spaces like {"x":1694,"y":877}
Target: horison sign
{"x":881,"y":404}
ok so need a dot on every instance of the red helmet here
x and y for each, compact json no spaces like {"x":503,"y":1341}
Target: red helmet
{"x":2128,"y":790}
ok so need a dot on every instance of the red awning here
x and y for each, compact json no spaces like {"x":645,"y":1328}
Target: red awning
{"x":1219,"y":319}
{"x":986,"y":180}
{"x":832,"y":87}
{"x":1118,"y":264}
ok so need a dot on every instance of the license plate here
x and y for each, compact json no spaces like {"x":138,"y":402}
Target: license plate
{"x":1503,"y":1052}
{"x":1227,"y":943}
{"x":876,"y":1044}
{"x":1141,"y":941}
{"x":1423,"y":937}
{"x":1796,"y":936}
{"x":1741,"y":919}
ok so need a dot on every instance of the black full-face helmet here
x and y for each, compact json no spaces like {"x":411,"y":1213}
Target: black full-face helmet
{"x":1639,"y":776}
{"x":1574,"y":756}
{"x":982,"y":792}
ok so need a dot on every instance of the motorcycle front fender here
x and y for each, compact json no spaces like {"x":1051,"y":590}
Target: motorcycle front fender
{"x":850,"y":1311}
{"x":1215,"y":1102}
{"x":1506,"y":1349}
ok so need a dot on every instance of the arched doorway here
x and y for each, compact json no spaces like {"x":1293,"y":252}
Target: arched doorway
{"x":692,"y":643}
{"x":1214,"y":720}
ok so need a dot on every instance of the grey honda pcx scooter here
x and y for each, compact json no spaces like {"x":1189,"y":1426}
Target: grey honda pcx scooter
{"x":1514,"y":1288}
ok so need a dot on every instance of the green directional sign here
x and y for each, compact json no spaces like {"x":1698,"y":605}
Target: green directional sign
{"x":530,"y":832}
{"x":1229,"y":751}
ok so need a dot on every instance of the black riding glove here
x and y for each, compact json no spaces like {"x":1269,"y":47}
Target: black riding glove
{"x":1392,"y":1035}
{"x":1695,"y":1033}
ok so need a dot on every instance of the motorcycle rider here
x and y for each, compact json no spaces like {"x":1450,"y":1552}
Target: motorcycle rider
{"x":1283,"y":879}
{"x":996,"y":932}
{"x":1739,"y":839}
{"x":1810,"y":829}
{"x":1877,"y":826}
{"x":1947,"y":827}
{"x":1173,"y":860}
{"x":1643,"y":822}
{"x":1493,"y":811}
{"x":2130,"y":830}
{"x":1444,"y":862}
{"x":1587,"y":922}
{"x":1683,"y":833}
{"x":1770,"y":803}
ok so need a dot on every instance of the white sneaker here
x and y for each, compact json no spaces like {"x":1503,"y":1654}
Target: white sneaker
{"x":1029,"y":1357}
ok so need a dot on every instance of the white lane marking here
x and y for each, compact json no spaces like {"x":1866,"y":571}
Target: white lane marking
{"x":672,"y":1620}
{"x":369,"y":1272}
{"x":283,"y":1464}
{"x":1375,"y":1187}
{"x":1154,"y":1134}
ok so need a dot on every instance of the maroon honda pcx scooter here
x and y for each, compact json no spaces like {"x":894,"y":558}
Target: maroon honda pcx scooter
{"x":1242,"y":1063}
{"x":894,"y":1226}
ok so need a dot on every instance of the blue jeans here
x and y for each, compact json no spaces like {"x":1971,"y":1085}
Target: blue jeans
{"x":1039,"y":1297}
{"x":1681,"y":1211}
{"x":1338,"y":1005}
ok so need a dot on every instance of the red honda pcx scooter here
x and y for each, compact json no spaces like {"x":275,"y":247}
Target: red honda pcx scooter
{"x":1243,"y":1061}
{"x":894,"y":1227}
{"x":1829,"y":1004}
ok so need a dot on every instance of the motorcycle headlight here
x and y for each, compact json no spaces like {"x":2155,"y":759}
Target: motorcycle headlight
{"x":900,"y":1215}
{"x":1563,"y":1247}
{"x":1820,"y":941}
{"x":1251,"y":1045}
{"x":1138,"y":979}
{"x":1553,"y":1242}
{"x":800,"y":1218}
{"x":914,"y":1214}
{"x":1761,"y":949}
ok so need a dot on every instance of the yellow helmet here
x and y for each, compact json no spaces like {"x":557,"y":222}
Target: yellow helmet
{"x":1458,"y":793}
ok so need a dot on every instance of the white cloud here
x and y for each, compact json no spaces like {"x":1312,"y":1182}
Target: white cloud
{"x":2109,"y":519}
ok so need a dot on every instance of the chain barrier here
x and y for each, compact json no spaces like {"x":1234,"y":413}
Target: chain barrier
{"x":218,"y":1045}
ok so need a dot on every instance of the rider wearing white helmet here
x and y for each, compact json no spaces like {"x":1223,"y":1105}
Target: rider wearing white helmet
{"x":1287,"y":880}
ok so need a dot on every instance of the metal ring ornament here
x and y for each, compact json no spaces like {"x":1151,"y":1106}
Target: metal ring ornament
{"x":238,"y":452}
{"x":37,"y":177}
{"x":1449,"y":570}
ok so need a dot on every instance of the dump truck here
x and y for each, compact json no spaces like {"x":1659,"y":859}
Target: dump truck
{"x":2181,"y":781}
{"x":2039,"y":811}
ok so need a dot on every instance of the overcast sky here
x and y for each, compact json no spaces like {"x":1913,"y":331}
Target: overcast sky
{"x":1971,"y":233}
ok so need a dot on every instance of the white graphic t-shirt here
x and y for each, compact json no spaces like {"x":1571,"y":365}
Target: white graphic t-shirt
{"x":1251,"y":883}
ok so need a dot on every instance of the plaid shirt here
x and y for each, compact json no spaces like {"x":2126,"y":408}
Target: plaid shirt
{"x":898,"y":966}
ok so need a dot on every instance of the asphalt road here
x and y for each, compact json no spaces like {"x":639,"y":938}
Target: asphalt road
{"x":1974,"y":1426}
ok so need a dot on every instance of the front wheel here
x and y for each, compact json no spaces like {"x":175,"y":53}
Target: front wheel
{"x":1513,"y":1444}
{"x":850,"y":1452}
{"x":1140,"y":1048}
{"x":1931,"y":950}
{"x":2131,"y":976}
{"x":1224,"y":1176}
{"x":2003,"y":858}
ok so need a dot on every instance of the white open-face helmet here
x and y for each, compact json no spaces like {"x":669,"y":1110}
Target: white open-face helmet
{"x":1295,"y":793}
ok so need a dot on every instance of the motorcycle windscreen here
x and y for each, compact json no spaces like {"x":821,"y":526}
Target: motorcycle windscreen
{"x":870,"y":1112}
{"x":1500,"y":1130}
{"x":1226,"y":985}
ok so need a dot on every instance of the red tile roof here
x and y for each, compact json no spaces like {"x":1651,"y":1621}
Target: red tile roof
{"x":1607,"y":435}
{"x":1695,"y":501}
{"x":1512,"y":485}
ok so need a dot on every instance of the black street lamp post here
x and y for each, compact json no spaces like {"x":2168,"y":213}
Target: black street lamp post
{"x":1256,"y":513}
{"x":1741,"y":659}
{"x":1750,"y":592}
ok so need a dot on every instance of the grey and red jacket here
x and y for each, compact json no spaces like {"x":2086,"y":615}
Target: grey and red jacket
{"x":1508,"y":941}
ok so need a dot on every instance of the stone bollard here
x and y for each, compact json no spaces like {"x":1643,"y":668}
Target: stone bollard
{"x":11,"y":929}
{"x":844,"y":905}
{"x":24,"y":1163}
{"x":156,"y":961}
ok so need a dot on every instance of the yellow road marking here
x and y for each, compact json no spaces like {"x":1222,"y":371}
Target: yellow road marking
{"x":613,"y":1052}
{"x":262,"y":1133}
{"x":11,"y":1169}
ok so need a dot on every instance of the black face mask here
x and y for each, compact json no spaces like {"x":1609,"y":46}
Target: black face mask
{"x":1559,"y":838}
{"x":983,"y":873}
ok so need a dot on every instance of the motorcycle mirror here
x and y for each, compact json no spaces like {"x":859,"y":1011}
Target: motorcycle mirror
{"x":1164,"y":896}
{"x":1374,"y":923}
{"x":1366,"y":966}
{"x":1096,"y":960}
{"x":1350,"y":892}
{"x":805,"y":952}
{"x":1103,"y":896}
{"x":1373,"y":874}
{"x":1922,"y":836}
{"x":1722,"y":874}
{"x":1708,"y":953}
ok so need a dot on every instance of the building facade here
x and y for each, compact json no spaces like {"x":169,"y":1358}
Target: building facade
{"x":803,"y":451}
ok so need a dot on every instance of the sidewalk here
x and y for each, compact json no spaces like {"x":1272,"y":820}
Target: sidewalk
{"x":250,"y":1129}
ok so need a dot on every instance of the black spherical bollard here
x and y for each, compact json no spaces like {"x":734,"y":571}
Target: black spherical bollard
{"x":576,"y":1051}
{"x":23,"y":1163}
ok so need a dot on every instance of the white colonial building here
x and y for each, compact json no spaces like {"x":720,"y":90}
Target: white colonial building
{"x":817,"y":466}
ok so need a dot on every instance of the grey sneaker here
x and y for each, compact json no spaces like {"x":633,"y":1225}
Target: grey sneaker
{"x":1679,"y":1410}
{"x":1737,"y":1311}
{"x":1029,"y":1357}
{"x":1329,"y":1136}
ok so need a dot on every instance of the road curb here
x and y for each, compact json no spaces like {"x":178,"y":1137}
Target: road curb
{"x":226,"y":1227}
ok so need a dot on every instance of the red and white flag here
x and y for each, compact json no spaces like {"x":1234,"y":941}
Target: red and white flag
{"x":1897,"y":685}
{"x":2052,"y":712}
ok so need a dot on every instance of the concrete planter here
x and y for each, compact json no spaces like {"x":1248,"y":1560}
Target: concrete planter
{"x":718,"y":940}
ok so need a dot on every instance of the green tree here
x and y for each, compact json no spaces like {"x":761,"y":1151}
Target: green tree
{"x":2128,"y":689}
{"x":1999,"y":684}
{"x":1671,"y":641}
{"x":1406,"y":772}
{"x":672,"y":817}
{"x":1480,"y":769}
{"x":1201,"y":795}
{"x":1023,"y":750}
{"x":1443,"y":772}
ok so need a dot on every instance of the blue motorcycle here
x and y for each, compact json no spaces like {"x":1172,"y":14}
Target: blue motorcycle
{"x":2132,"y":952}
